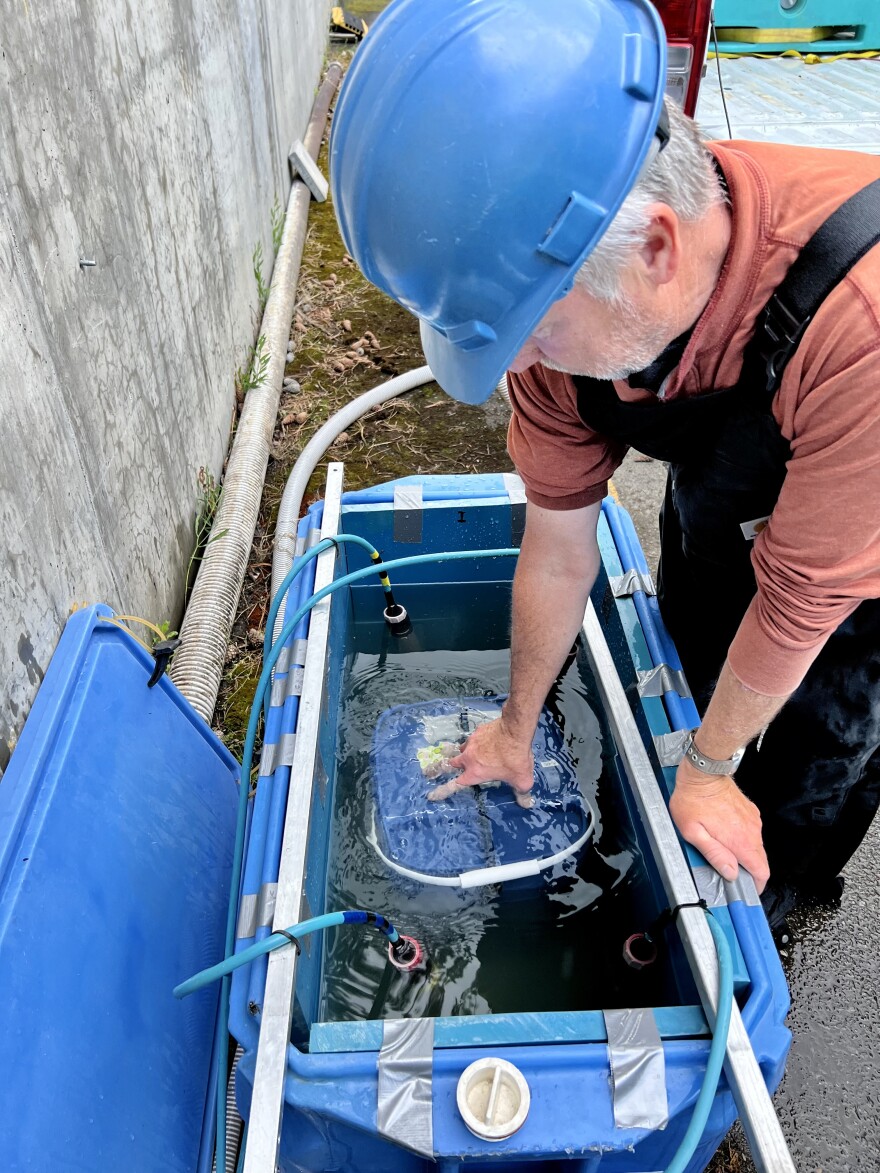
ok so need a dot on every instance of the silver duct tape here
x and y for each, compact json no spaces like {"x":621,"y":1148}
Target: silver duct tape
{"x":247,"y":916}
{"x":268,"y":759}
{"x":408,"y":513}
{"x":279,"y":688}
{"x":286,"y":749}
{"x":638,"y":1069}
{"x":717,"y":891}
{"x":624,"y":585}
{"x":663,"y":679}
{"x":279,"y":753}
{"x":670,"y":747}
{"x":405,"y":1107}
{"x":516,"y":492}
{"x":295,"y":681}
{"x":266,"y":905}
{"x":300,"y":548}
{"x":291,"y":653}
{"x":514,"y":488}
{"x":710,"y":885}
{"x":314,"y":536}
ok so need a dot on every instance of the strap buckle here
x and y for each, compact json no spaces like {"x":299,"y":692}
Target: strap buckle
{"x":781,"y":334}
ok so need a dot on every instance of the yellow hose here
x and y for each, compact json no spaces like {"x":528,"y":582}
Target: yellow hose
{"x":121,"y":622}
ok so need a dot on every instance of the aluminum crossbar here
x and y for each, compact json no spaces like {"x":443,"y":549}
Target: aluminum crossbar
{"x":264,"y":1125}
{"x":768,"y":1145}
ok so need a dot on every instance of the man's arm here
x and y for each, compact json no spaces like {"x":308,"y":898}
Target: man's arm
{"x":712,"y":812}
{"x":555,"y":571}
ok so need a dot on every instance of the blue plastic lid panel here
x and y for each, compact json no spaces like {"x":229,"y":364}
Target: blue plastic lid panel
{"x":116,"y":828}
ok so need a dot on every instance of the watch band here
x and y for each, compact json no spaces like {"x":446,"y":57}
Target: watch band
{"x":709,"y":765}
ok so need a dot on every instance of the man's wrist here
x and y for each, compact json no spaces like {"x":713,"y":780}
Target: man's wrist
{"x":717,"y":767}
{"x":518,"y":726}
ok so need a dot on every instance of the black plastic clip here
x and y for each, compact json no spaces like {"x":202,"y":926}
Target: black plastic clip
{"x":781,"y":332}
{"x":162,"y":653}
{"x":291,"y":938}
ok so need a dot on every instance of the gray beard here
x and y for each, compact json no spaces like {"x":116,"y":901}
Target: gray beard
{"x":640,"y":341}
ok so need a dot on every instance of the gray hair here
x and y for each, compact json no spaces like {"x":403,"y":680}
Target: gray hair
{"x":681,"y":176}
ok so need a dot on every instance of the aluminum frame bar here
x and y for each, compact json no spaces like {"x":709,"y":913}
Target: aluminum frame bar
{"x":264,"y":1125}
{"x":759,"y":1119}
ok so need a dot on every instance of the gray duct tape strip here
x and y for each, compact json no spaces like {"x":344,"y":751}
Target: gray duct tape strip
{"x":404,"y":1112}
{"x":286,"y":748}
{"x":663,"y":679}
{"x":671,"y":746}
{"x":282,"y":664}
{"x":247,"y":916}
{"x":624,"y":585}
{"x":710,"y":885}
{"x":514,"y":488}
{"x":268,"y":759}
{"x":638,"y":1069}
{"x":313,"y":538}
{"x":408,"y":513}
{"x":298,"y":650}
{"x":516,"y":491}
{"x":300,"y":548}
{"x":279,"y":753}
{"x":266,"y":905}
{"x":256,"y":911}
{"x":279,"y":687}
{"x":716,"y":891}
{"x":289,"y":685}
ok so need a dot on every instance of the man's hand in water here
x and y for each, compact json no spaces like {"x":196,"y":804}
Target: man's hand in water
{"x":490,"y":754}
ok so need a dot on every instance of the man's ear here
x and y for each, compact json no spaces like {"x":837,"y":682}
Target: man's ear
{"x":661,"y":252}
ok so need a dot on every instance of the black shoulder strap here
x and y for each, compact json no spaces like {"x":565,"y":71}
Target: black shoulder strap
{"x":821,"y":265}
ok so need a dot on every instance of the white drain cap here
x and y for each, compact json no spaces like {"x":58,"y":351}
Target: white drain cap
{"x":493,"y":1098}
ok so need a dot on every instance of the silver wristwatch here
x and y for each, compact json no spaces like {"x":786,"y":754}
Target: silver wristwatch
{"x":709,"y":765}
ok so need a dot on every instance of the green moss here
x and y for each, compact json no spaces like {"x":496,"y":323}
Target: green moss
{"x":366,"y":7}
{"x":235,"y":699}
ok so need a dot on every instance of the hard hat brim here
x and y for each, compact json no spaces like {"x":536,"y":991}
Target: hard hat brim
{"x":468,"y":376}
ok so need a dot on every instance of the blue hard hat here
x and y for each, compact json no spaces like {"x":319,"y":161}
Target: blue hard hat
{"x":480,"y":148}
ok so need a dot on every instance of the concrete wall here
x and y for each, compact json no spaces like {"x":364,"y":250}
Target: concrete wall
{"x":151,"y":138}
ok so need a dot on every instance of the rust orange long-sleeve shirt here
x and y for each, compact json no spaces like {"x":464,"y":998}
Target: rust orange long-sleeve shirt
{"x":819,"y":556}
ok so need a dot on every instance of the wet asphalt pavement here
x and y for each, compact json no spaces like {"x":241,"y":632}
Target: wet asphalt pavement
{"x":829,"y":1100}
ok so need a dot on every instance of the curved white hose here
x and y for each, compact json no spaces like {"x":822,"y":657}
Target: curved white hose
{"x":309,"y":459}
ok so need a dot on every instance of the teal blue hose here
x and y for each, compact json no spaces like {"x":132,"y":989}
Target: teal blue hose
{"x":276,"y":940}
{"x":244,"y":785}
{"x":298,"y":566}
{"x":702,"y":1107}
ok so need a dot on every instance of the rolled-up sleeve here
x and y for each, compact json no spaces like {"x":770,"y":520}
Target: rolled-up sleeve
{"x":819,"y":556}
{"x":563,"y":463}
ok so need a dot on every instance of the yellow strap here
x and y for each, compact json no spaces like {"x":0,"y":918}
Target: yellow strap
{"x":754,"y":36}
{"x":808,"y":58}
{"x":115,"y":621}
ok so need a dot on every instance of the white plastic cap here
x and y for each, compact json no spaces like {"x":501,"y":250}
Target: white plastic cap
{"x":493,"y":1098}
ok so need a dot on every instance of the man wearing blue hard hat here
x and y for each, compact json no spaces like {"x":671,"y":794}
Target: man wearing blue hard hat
{"x":509,"y":171}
